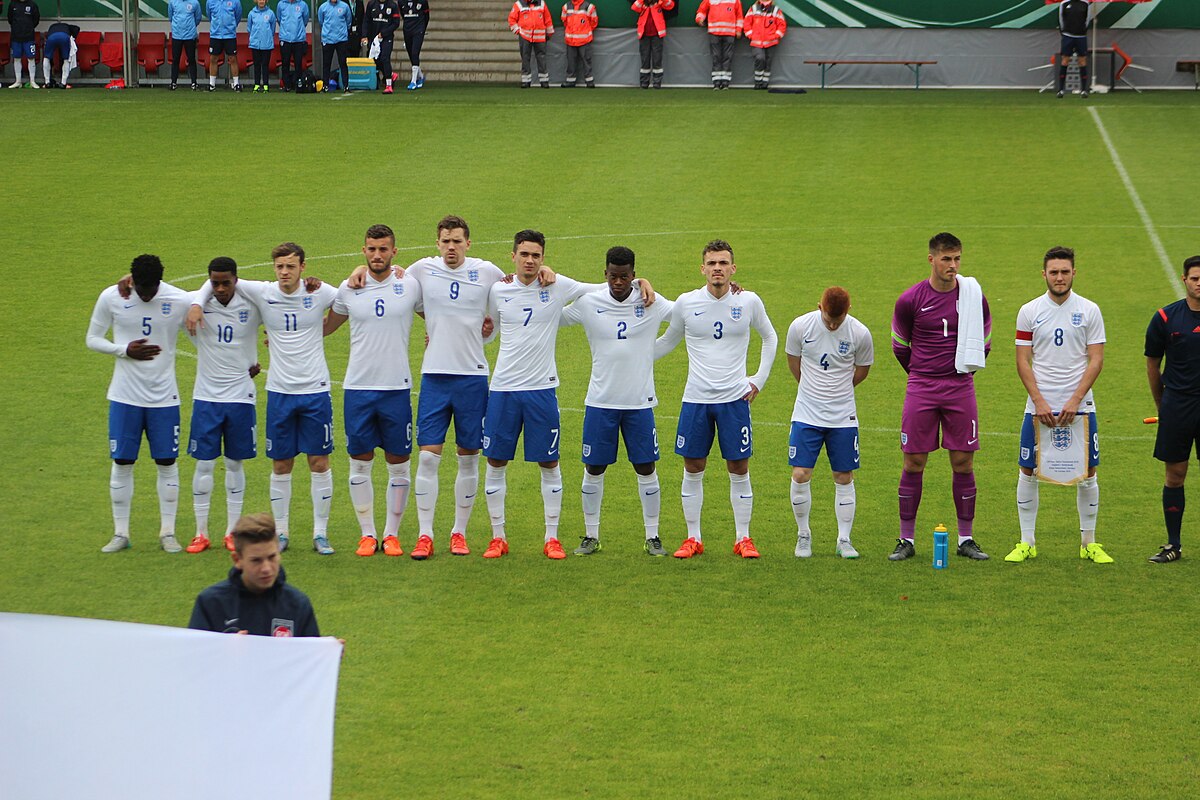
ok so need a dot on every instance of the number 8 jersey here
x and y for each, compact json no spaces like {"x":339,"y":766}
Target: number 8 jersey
{"x":1059,"y":336}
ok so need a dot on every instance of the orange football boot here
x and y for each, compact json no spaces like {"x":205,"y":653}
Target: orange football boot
{"x":554,"y":550}
{"x":496,"y":548}
{"x":367,"y":546}
{"x":745,"y":548}
{"x":458,"y":545}
{"x":689,"y":548}
{"x":229,"y":542}
{"x":198,"y":545}
{"x":391,"y":546}
{"x":424,"y":548}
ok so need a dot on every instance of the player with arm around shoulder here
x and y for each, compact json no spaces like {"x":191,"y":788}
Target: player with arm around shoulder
{"x":941,"y":334}
{"x":143,"y":395}
{"x":716,"y":322}
{"x":829,"y":353}
{"x":1174,"y":334}
{"x":1060,"y":352}
{"x":621,"y":330}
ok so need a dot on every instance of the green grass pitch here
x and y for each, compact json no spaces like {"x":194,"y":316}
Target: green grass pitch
{"x":622,"y":676}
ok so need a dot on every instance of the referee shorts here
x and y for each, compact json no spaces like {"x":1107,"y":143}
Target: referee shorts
{"x":1178,"y":427}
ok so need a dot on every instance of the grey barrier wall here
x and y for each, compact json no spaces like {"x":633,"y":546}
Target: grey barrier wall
{"x":967,"y":58}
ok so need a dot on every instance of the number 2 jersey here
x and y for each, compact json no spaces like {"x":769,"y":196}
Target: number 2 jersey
{"x":1059,"y":336}
{"x":149,"y":384}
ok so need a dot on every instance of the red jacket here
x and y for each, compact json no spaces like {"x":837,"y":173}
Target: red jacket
{"x":579,"y":19}
{"x":765,"y":25}
{"x":531,"y":20}
{"x":724,"y":17}
{"x":654,"y":12}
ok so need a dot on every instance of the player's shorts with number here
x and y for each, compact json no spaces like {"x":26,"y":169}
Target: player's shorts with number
{"x":729,"y":421}
{"x":602,"y":427}
{"x":126,"y":424}
{"x":214,"y":423}
{"x":1028,"y":454}
{"x":378,"y":418}
{"x":1178,"y":427}
{"x":508,"y":413}
{"x":299,"y":423}
{"x":841,"y":446}
{"x":946,"y":404}
{"x":464,"y":397}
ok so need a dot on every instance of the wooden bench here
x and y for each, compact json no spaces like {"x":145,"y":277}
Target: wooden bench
{"x":913,"y":66}
{"x":1191,"y":65}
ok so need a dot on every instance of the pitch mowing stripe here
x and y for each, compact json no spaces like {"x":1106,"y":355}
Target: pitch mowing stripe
{"x":1147,"y":223}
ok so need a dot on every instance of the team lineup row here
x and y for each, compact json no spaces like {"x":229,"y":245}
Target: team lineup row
{"x":941,"y":333}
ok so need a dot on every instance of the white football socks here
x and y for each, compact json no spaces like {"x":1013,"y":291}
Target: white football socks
{"x":466,"y":485}
{"x":235,"y":492}
{"x":801,"y":505}
{"x":648,"y":489}
{"x":741,"y":497}
{"x":1027,"y":507}
{"x":397,"y":497}
{"x":495,"y":488}
{"x":552,"y":487}
{"x":846,"y":502}
{"x":1087,"y":500}
{"x":281,"y":501}
{"x":362,"y":495}
{"x":692,"y":495}
{"x":202,"y":486}
{"x":426,"y":490}
{"x":120,"y":491}
{"x":321,"y":488}
{"x":592,"y":493}
{"x":168,"y":497}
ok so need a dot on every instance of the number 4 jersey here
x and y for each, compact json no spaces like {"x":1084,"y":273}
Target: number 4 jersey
{"x":1059,"y":336}
{"x":825,"y":396}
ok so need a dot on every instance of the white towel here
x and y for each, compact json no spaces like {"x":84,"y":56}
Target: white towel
{"x":375,"y":48}
{"x":71,"y":59}
{"x":969,"y":355}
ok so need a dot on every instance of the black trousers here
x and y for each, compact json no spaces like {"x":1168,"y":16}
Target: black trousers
{"x":262,"y":66}
{"x":293,"y":61}
{"x":651,"y":50}
{"x":762,"y":64}
{"x":328,"y":51}
{"x":178,"y":47}
{"x":579,"y":59}
{"x":531,"y":52}
{"x":384,"y":62}
{"x":721,"y":50}
{"x":414,"y":37}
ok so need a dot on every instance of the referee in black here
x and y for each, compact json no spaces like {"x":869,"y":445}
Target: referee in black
{"x":1073,"y":25}
{"x":1174,"y":332}
{"x":416,"y":20}
{"x":380,"y":21}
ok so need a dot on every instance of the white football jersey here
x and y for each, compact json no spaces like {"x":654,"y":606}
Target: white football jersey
{"x":527,"y":318}
{"x":1059,"y":336}
{"x":227,"y":346}
{"x":718,"y":337}
{"x":295,"y":329}
{"x":825,"y":396}
{"x":621,"y":335}
{"x":381,"y":316}
{"x":150,"y":384}
{"x":455,"y":305}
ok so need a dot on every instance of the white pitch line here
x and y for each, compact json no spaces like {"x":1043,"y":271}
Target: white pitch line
{"x":1147,"y":223}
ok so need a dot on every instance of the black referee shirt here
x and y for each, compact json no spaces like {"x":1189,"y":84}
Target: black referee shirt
{"x":1073,"y":17}
{"x":1174,"y":331}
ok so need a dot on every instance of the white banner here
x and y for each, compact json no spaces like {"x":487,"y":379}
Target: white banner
{"x":1062,"y":455}
{"x":120,"y":711}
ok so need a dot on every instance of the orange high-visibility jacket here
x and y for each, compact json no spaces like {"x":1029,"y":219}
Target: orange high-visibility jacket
{"x":579,"y":19}
{"x":765,"y":25}
{"x":531,"y":20}
{"x":724,"y":16}
{"x":645,"y":12}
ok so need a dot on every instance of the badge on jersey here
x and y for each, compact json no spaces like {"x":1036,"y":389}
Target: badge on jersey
{"x":243,"y":317}
{"x":735,"y":313}
{"x":1076,"y":320}
{"x":843,"y":347}
{"x":639,"y":311}
{"x":398,"y":288}
{"x":473,"y":275}
{"x":166,"y":309}
{"x":308,"y":302}
{"x":544,"y":296}
{"x":282,"y":627}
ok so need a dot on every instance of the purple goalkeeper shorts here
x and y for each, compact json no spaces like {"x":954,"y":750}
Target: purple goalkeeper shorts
{"x":947,"y":404}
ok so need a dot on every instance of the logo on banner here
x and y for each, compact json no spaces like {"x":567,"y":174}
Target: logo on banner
{"x":308,"y":302}
{"x":1060,"y":438}
{"x":1076,"y":320}
{"x":735,"y":312}
{"x":243,"y":317}
{"x":282,"y":627}
{"x":398,"y":288}
{"x":843,"y":348}
{"x":473,"y":275}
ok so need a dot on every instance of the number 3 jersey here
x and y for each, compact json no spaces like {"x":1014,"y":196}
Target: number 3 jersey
{"x":226,"y":348}
{"x":621,"y":334}
{"x":1059,"y":336}
{"x":149,"y":384}
{"x":825,"y":396}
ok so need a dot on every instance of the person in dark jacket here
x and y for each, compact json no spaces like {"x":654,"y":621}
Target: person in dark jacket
{"x":379,"y":26}
{"x":416,"y":19}
{"x":255,"y":598}
{"x":23,"y":19}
